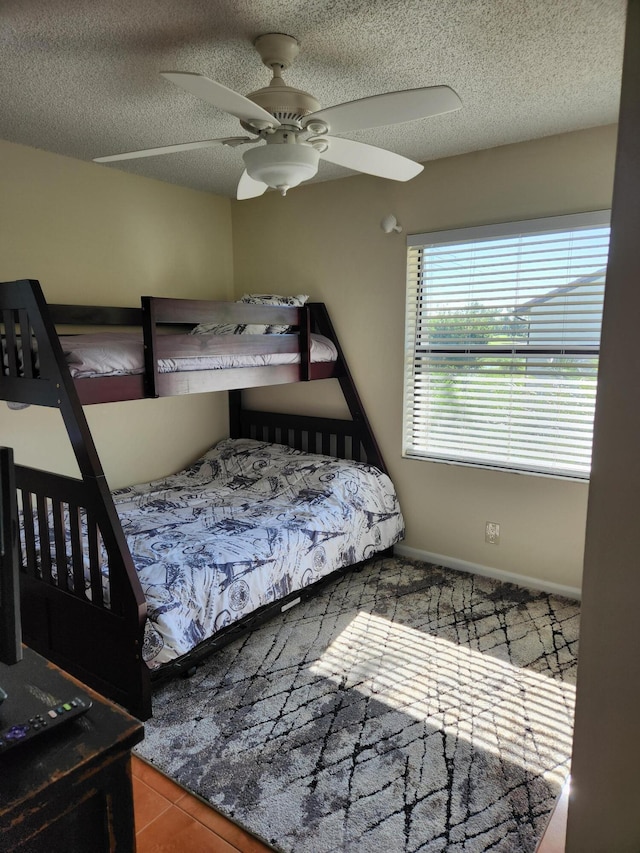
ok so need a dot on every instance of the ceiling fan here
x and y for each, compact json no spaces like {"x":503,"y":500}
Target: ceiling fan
{"x":293,"y":132}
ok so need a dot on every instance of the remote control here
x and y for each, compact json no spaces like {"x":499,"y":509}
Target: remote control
{"x":46,"y":720}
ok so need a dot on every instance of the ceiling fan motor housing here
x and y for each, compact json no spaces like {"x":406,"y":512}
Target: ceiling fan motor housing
{"x":287,"y":104}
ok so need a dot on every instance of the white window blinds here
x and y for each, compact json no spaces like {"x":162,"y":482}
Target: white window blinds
{"x":502,"y":342}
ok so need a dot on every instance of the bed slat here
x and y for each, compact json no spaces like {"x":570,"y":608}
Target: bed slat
{"x":95,"y":564}
{"x":11,"y":346}
{"x":60,"y":546}
{"x":326,"y":444}
{"x":27,"y":341}
{"x":29,"y":534}
{"x":77,"y":563}
{"x":43,"y":536}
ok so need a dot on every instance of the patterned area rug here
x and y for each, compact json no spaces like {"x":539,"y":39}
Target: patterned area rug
{"x":407,"y":708}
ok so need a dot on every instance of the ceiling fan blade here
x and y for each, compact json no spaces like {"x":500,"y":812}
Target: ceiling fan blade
{"x":171,"y":149}
{"x":370,"y":159}
{"x":248,"y":187}
{"x":389,"y":108}
{"x":222,"y":97}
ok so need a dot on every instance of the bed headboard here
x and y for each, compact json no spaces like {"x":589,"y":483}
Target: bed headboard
{"x":330,"y":436}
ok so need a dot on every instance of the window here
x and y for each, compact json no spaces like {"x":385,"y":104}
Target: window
{"x":502,"y":343}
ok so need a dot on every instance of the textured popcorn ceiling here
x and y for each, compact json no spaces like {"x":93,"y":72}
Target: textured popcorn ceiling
{"x":81,"y":77}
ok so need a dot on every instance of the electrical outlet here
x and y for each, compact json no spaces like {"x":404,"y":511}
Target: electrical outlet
{"x":492,"y":533}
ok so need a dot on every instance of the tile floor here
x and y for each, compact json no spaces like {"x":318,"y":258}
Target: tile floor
{"x":170,"y":820}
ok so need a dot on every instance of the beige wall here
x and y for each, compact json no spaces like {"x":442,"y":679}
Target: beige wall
{"x":92,"y":234}
{"x":325,"y":239}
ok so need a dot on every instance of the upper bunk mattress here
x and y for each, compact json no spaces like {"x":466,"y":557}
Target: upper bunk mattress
{"x":244,"y":526}
{"x":122,"y":354}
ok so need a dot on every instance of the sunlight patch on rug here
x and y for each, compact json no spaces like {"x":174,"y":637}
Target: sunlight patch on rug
{"x":487,"y":701}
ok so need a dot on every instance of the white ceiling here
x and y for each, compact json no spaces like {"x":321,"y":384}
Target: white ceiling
{"x":81,"y":77}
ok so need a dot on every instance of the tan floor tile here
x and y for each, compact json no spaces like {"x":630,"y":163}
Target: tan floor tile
{"x":147,"y":804}
{"x":157,"y":780}
{"x":215,"y":821}
{"x":176,"y":832}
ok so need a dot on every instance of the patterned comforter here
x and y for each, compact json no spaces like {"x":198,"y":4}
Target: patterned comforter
{"x":244,"y":526}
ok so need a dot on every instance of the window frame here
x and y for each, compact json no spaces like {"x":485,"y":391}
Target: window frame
{"x":415,"y":285}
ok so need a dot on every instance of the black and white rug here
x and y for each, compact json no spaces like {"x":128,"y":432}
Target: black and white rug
{"x":407,"y":708}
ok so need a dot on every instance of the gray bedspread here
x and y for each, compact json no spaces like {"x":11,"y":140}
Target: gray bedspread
{"x":244,"y":526}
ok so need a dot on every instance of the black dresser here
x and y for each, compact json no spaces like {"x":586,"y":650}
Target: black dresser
{"x":67,"y":789}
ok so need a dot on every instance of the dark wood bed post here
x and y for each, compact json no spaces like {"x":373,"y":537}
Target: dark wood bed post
{"x":305,"y":343}
{"x":46,"y":607}
{"x":149,"y":338}
{"x":10,"y":623}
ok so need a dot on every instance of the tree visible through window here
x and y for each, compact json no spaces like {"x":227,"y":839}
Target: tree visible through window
{"x":503,"y":334}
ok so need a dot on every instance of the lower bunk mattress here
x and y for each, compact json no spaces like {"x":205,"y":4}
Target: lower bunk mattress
{"x":244,"y":526}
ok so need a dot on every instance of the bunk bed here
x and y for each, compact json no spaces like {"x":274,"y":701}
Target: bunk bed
{"x":90,"y":618}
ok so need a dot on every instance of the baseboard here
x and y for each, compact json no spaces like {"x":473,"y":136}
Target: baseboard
{"x":488,"y":572}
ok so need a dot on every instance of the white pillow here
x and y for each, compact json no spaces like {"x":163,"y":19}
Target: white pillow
{"x":253,"y":328}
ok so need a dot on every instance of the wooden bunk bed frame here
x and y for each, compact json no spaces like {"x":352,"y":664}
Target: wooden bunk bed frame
{"x":58,"y":619}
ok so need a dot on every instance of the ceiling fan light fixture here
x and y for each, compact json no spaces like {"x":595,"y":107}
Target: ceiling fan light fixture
{"x":282,"y":166}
